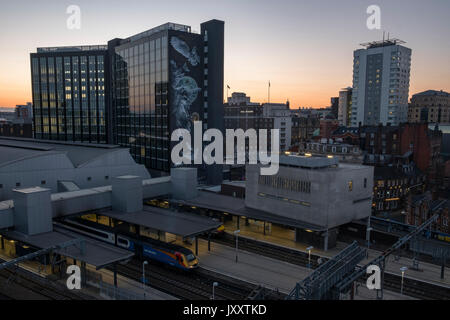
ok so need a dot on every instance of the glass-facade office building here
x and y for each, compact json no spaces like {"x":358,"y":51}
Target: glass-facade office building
{"x":165,"y":79}
{"x":69,"y":93}
{"x":134,"y":92}
{"x":141,"y":99}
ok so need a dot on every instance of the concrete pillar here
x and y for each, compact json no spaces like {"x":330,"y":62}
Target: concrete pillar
{"x":325,"y":241}
{"x":115,"y":275}
{"x":83,"y":273}
{"x":127,"y":194}
{"x":32,"y":210}
{"x":184,"y":183}
{"x":209,"y":241}
{"x":3,"y":242}
{"x":196,"y":246}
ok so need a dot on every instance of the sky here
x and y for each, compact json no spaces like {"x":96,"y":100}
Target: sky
{"x":303,"y":47}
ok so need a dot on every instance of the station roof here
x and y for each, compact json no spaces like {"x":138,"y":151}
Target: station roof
{"x":96,"y":253}
{"x":180,"y":223}
{"x":15,"y":149}
{"x":236,"y":206}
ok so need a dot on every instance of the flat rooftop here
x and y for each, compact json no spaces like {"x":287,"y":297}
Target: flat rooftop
{"x":166,"y":26}
{"x":96,"y":253}
{"x":180,"y":223}
{"x":236,"y":206}
{"x":72,"y":48}
{"x":308,"y":162}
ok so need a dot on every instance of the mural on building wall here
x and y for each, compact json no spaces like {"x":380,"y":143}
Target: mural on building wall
{"x":185,"y":87}
{"x":182,"y":48}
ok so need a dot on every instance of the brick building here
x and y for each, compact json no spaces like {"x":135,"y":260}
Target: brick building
{"x":425,"y":146}
{"x":430,"y":106}
{"x":424,"y":206}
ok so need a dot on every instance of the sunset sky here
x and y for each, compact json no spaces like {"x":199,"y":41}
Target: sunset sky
{"x":305,"y":48}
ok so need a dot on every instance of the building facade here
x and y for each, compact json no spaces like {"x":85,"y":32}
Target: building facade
{"x":240,"y":113}
{"x":70,"y":94}
{"x":316,"y":190}
{"x":423,"y":207}
{"x":303,"y":129}
{"x":381,"y":74}
{"x":430,"y":106}
{"x":345,"y":107}
{"x":24,"y":113}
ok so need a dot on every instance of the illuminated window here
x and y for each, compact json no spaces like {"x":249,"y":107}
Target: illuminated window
{"x":350,"y":185}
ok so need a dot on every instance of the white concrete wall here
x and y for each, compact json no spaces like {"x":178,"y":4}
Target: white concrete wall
{"x":57,"y":167}
{"x":331,"y":204}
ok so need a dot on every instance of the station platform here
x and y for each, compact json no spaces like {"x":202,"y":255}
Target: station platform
{"x":284,"y":237}
{"x":132,"y":286}
{"x":260,"y":270}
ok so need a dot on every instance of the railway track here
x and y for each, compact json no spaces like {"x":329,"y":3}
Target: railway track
{"x":25,"y":281}
{"x":414,"y":288}
{"x":195,"y":285}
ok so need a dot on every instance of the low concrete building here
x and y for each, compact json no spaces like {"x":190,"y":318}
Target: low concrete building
{"x":315,"y":190}
{"x":60,"y":166}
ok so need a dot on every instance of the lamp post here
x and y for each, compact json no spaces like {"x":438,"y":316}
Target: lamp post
{"x":368,"y":240}
{"x":236,"y":233}
{"x":402,"y":269}
{"x":309,"y":255}
{"x":215,"y":284}
{"x":143,"y":275}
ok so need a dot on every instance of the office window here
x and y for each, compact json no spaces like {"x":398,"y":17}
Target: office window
{"x":17,"y":184}
{"x":89,"y":178}
{"x":365,"y":182}
{"x":43,"y":182}
{"x":350,"y":185}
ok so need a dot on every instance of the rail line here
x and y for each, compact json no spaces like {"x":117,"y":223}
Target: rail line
{"x":25,"y":281}
{"x":195,"y":285}
{"x":411,"y":287}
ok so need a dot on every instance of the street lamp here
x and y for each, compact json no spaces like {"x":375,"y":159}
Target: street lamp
{"x":368,"y":239}
{"x":402,"y":269}
{"x":236,"y":233}
{"x":309,"y":255}
{"x":143,"y":275}
{"x":215,"y":284}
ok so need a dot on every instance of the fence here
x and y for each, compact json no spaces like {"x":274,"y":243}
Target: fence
{"x":106,"y":290}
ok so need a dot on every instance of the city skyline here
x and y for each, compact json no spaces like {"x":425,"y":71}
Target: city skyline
{"x":307,"y":72}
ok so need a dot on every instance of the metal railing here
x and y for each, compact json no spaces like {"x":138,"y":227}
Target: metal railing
{"x":112,"y":292}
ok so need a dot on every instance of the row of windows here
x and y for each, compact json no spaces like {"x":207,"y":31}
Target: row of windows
{"x":286,"y":183}
{"x":295,"y":201}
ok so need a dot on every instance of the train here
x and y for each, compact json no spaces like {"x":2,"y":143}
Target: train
{"x":167,"y":253}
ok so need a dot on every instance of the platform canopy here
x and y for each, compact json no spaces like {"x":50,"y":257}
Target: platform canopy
{"x":95,"y":253}
{"x":180,"y":223}
{"x":236,"y":206}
